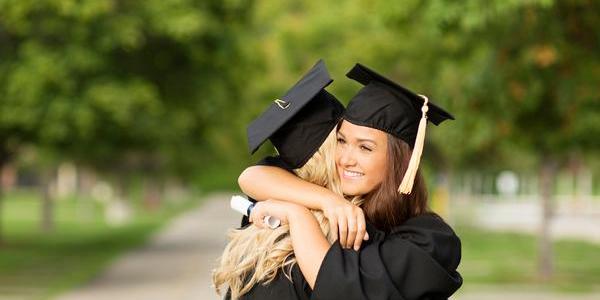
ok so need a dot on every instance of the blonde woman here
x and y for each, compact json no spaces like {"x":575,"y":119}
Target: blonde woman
{"x":259,"y":263}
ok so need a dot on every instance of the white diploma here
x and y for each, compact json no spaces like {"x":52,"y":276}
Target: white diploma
{"x":245,"y":206}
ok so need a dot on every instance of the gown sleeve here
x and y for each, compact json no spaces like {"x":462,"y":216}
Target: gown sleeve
{"x":416,"y":260}
{"x":281,"y":288}
{"x":303,"y":289}
{"x":272,"y":161}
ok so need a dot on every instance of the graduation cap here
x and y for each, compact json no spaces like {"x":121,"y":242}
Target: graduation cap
{"x":298,"y":122}
{"x":385,"y":105}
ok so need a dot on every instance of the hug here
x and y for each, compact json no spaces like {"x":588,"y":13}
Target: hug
{"x":351,"y":198}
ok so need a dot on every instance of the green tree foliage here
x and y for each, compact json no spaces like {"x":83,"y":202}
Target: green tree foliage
{"x":518,"y":75}
{"x":121,"y":86}
{"x":521,"y":74}
{"x":103,"y":81}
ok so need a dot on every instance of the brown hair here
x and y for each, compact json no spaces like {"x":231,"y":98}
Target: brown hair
{"x":385,"y":207}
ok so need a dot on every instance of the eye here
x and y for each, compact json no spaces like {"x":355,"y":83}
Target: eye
{"x":341,"y":141}
{"x":365,"y":148}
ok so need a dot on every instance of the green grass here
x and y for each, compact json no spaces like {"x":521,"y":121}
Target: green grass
{"x":40,"y":265}
{"x":493,"y":258}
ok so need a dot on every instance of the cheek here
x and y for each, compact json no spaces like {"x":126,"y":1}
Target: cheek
{"x":338,"y":152}
{"x":377,"y":168}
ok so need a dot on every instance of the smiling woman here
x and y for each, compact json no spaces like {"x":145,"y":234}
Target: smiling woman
{"x":360,"y":158}
{"x":371,"y":162}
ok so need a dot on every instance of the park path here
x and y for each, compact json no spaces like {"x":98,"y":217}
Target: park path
{"x":176,"y":264}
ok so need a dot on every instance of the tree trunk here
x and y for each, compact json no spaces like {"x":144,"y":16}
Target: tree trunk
{"x":47,"y":222}
{"x":547,"y":181}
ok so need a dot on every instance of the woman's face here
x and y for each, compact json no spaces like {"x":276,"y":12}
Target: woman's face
{"x":361,"y":156}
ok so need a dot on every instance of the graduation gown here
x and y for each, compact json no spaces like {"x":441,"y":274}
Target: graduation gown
{"x":416,"y":260}
{"x":280,"y":288}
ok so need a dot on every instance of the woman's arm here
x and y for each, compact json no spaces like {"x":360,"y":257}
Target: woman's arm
{"x":308,"y":241}
{"x":266,"y":182}
{"x":346,"y":221}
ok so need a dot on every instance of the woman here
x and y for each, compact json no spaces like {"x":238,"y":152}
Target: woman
{"x":411,"y":253}
{"x":259,"y":263}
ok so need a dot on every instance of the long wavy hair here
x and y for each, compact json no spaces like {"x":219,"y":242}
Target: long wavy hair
{"x":385,"y":207}
{"x":254,"y":256}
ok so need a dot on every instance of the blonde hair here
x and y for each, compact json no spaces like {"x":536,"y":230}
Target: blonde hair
{"x":255,"y":255}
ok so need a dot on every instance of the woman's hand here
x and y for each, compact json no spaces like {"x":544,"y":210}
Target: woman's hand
{"x":274,"y":208}
{"x":346,"y":219}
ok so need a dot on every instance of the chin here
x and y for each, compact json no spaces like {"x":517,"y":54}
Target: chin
{"x":351,"y":191}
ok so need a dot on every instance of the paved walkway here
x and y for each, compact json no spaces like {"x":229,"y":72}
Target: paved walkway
{"x":177,"y":262}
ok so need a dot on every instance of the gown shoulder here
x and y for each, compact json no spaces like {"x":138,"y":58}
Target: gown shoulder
{"x":416,"y":260}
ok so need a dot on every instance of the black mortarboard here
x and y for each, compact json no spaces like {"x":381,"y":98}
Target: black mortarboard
{"x":385,"y":105}
{"x":298,"y":122}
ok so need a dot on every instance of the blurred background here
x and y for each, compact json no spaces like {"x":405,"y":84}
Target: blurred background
{"x":120,"y":117}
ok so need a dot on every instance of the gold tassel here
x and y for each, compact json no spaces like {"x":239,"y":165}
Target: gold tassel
{"x":411,"y":172}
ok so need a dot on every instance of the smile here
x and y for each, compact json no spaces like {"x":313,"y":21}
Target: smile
{"x":352,"y":174}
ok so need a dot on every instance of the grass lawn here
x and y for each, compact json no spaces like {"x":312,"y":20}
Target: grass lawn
{"x":493,"y":258}
{"x":40,"y":265}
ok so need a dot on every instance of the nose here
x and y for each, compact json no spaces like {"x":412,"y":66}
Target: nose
{"x":346,"y":156}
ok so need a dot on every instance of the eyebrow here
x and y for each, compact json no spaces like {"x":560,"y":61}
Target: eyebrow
{"x":359,"y":139}
{"x":366,"y":140}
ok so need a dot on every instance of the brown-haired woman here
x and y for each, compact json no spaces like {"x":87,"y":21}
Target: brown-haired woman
{"x":411,"y":253}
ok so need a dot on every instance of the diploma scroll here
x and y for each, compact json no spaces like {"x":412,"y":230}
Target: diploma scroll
{"x":244,"y":206}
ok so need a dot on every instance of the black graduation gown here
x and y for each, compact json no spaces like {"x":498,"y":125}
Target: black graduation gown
{"x":280,"y":288}
{"x":416,"y":260}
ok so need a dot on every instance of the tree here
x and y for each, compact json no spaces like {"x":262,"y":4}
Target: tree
{"x":119,"y":85}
